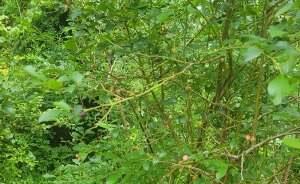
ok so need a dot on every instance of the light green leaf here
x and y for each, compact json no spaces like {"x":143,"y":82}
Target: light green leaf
{"x":105,"y":125}
{"x":291,"y":142}
{"x":221,"y":171}
{"x":252,"y":53}
{"x":284,"y":9}
{"x":164,"y":15}
{"x":49,"y":115}
{"x":70,"y":44}
{"x":280,"y":87}
{"x":48,"y":176}
{"x":276,"y":31}
{"x":31,"y":71}
{"x":53,"y":84}
{"x":62,"y":105}
{"x":8,"y":109}
{"x":77,"y":109}
{"x":77,"y":77}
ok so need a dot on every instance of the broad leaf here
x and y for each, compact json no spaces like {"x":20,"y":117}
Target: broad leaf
{"x":163,"y":16}
{"x":70,"y":44}
{"x":280,"y":87}
{"x":62,"y":105}
{"x":292,"y":112}
{"x":291,"y":142}
{"x":8,"y":109}
{"x":284,"y":9}
{"x":49,"y":115}
{"x":221,"y":171}
{"x":32,"y":71}
{"x":252,"y":53}
{"x":77,"y":77}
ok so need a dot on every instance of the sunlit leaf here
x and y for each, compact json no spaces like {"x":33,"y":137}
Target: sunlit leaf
{"x":291,"y":142}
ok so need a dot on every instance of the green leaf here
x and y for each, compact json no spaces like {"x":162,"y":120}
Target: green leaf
{"x":62,"y":105}
{"x":77,"y":77}
{"x":252,"y":53}
{"x":146,"y":165}
{"x":8,"y":109}
{"x":170,"y":101}
{"x":291,"y":142}
{"x":77,"y":109}
{"x":48,"y":176}
{"x":276,"y":31}
{"x":49,"y":115}
{"x":70,"y":44}
{"x":105,"y":125}
{"x":53,"y":84}
{"x":292,"y":112}
{"x":221,"y":171}
{"x":164,"y":15}
{"x":284,"y":9}
{"x":112,"y":179}
{"x":280,"y":87}
{"x":83,"y":155}
{"x":31,"y":71}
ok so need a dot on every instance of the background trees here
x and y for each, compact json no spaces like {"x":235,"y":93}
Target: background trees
{"x":120,"y":91}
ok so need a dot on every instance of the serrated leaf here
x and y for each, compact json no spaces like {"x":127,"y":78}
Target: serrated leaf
{"x":291,"y":142}
{"x":252,"y":53}
{"x":164,"y":15}
{"x":280,"y":87}
{"x":70,"y":44}
{"x":49,"y":115}
{"x":62,"y":105}
{"x":77,"y":77}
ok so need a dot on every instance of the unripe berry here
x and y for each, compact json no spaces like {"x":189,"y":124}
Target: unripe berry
{"x":253,"y":139}
{"x":194,"y":177}
{"x":248,"y":137}
{"x":165,"y":123}
{"x":76,"y":155}
{"x":170,"y":116}
{"x":104,"y":54}
{"x":185,"y":157}
{"x":82,"y":114}
{"x":110,"y":51}
{"x":73,"y":140}
{"x":78,"y":158}
{"x":180,"y":170}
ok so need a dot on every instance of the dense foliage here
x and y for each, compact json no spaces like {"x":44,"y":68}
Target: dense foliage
{"x":149,"y":91}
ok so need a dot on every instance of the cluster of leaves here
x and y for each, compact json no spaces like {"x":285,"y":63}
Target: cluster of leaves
{"x":147,"y":91}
